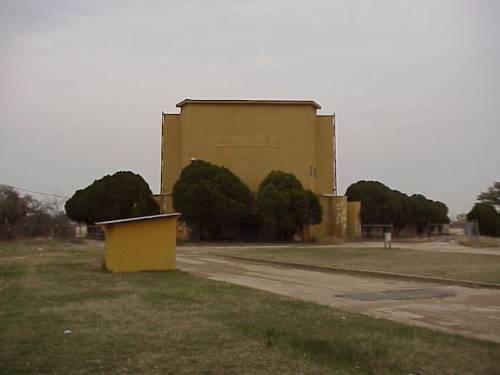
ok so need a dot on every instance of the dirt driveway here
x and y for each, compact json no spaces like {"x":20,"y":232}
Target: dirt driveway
{"x":473,"y":312}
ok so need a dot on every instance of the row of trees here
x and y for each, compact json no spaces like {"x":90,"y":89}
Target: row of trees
{"x":25,"y":216}
{"x":213,"y":201}
{"x":216,"y":203}
{"x":382,"y":205}
{"x":486,"y":211}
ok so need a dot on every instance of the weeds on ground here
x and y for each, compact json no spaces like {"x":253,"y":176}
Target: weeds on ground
{"x":61,"y":313}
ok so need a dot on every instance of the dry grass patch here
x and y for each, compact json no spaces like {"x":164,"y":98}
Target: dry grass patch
{"x":462,"y":266}
{"x":482,"y":241}
{"x":171,"y":322}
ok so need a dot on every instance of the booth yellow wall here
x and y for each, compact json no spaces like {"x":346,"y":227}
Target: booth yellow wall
{"x":141,"y":244}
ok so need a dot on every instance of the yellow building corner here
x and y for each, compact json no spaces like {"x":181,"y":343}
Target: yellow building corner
{"x":144,"y":243}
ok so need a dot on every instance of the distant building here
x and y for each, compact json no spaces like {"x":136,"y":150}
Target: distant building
{"x":252,"y":138}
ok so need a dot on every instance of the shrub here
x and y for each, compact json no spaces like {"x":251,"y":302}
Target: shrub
{"x":284,"y":206}
{"x":119,"y":196}
{"x":212,"y":199}
{"x":487,"y":218}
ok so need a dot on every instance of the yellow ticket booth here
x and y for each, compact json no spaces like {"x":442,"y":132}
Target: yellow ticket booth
{"x":144,"y":243}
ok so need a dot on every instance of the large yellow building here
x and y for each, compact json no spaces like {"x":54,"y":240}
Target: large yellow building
{"x":251,"y":138}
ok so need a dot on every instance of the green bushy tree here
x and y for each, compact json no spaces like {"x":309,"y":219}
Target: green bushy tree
{"x":379,"y":204}
{"x":211,"y":199}
{"x":382,"y":205}
{"x":284,"y":206}
{"x":487,"y":218}
{"x":492,"y":195}
{"x":119,"y":196}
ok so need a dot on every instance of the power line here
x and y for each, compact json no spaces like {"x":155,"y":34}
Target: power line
{"x":35,"y":192}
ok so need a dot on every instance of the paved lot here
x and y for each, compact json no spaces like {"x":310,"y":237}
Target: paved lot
{"x":468,"y":311}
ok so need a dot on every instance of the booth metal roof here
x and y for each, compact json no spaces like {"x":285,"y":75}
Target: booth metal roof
{"x":141,"y":218}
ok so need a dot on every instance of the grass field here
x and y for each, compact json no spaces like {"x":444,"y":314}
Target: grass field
{"x":475,"y":267}
{"x":171,"y":322}
{"x":482,"y":241}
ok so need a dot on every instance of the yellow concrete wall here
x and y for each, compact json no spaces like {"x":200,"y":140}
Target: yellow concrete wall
{"x":145,"y":245}
{"x":324,"y":154}
{"x":325,"y":228}
{"x":353,"y":219}
{"x":340,"y":217}
{"x":251,"y":140}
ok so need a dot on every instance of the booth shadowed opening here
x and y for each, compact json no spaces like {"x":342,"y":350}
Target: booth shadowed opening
{"x":144,"y":243}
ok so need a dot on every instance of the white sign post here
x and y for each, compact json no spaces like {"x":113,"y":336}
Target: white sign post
{"x":387,"y":240}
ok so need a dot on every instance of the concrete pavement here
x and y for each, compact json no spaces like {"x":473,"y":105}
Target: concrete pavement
{"x":473,"y":312}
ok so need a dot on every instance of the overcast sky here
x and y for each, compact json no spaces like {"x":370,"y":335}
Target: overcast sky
{"x":415,"y":84}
